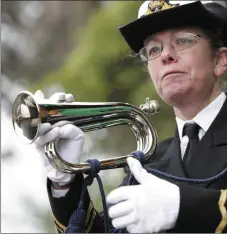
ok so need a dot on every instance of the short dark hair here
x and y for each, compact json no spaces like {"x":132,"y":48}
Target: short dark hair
{"x":215,"y":37}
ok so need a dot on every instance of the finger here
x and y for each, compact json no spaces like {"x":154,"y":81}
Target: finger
{"x":124,"y":221}
{"x":120,"y":194}
{"x":58,"y":97}
{"x":39,"y":95}
{"x":121,"y":209}
{"x":69,"y":97}
{"x":49,"y":136}
{"x":44,"y":128}
{"x":137,"y":170}
{"x":70,"y":131}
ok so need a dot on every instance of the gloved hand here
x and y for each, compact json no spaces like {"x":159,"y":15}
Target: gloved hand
{"x":152,"y":206}
{"x":70,"y":143}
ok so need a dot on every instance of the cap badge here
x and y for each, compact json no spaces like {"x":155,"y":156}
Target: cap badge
{"x":159,"y":5}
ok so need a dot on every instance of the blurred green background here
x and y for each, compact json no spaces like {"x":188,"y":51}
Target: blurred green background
{"x":74,"y":47}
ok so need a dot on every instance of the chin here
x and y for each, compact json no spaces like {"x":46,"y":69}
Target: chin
{"x":174,"y":97}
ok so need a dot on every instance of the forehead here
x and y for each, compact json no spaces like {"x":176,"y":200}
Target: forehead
{"x":167,"y":34}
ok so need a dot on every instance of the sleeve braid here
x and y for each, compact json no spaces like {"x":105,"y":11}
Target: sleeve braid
{"x":223,"y":211}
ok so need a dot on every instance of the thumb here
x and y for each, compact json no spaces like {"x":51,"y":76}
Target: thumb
{"x":137,"y":170}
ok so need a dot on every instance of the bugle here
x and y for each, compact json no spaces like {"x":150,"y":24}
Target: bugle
{"x":29,"y":114}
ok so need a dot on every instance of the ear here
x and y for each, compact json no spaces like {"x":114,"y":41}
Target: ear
{"x":221,"y":62}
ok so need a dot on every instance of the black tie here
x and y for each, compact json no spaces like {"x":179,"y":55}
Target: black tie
{"x":191,"y":130}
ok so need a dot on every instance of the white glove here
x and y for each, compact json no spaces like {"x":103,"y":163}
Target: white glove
{"x":70,"y":143}
{"x":152,"y":206}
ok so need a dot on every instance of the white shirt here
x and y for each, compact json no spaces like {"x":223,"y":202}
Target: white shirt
{"x":204,"y":119}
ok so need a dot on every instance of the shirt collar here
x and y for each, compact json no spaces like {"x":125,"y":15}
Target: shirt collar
{"x":205,"y":117}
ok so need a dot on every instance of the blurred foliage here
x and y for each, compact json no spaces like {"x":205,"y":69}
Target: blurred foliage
{"x":36,"y":35}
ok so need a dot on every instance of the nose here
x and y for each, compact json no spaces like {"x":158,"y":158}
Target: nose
{"x":168,"y":55}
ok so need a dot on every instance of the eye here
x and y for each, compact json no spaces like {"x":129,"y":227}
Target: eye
{"x":153,"y":50}
{"x":183,"y":41}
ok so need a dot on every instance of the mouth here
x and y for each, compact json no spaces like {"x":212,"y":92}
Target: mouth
{"x":172,"y":73}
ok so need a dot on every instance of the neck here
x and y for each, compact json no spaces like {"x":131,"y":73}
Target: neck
{"x":189,"y":110}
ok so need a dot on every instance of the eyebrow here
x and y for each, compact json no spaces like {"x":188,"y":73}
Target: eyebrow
{"x":154,"y":37}
{"x":150,"y":39}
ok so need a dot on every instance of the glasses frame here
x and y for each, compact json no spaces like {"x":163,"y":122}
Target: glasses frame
{"x":162,"y":47}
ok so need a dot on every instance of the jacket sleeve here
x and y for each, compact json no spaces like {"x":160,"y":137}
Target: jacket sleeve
{"x":62,"y":208}
{"x":201,"y":210}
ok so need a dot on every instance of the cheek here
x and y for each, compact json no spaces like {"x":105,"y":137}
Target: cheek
{"x":202,"y":59}
{"x":200,"y":68}
{"x":153,"y":73}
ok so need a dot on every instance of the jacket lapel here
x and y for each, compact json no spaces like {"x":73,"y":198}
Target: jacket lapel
{"x":210,"y":157}
{"x":175,"y":166}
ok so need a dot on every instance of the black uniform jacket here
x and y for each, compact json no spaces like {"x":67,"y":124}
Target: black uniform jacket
{"x":202,"y":206}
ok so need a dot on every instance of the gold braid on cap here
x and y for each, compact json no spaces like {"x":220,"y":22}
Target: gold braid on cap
{"x":159,"y":5}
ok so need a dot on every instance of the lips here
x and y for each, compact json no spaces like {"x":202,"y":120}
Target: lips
{"x":172,"y":72}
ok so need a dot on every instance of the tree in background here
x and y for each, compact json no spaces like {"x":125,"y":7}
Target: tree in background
{"x":37,"y":35}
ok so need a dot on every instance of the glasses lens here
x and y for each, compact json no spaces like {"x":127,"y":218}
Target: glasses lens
{"x":150,"y":52}
{"x":143,"y":55}
{"x":183,"y":41}
{"x":153,"y":51}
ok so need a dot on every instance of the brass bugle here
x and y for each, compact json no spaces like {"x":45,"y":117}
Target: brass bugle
{"x":29,"y":114}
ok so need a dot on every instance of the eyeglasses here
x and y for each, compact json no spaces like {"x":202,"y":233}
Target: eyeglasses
{"x":180,"y":41}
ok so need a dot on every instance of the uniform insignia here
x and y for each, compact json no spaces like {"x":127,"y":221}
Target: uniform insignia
{"x":159,"y":5}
